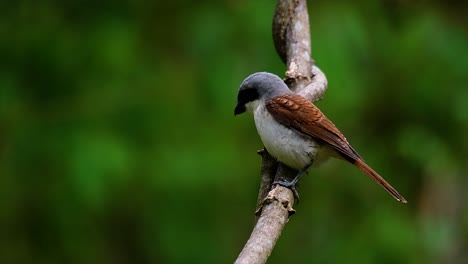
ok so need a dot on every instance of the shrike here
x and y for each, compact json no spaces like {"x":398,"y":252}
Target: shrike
{"x":295,"y":131}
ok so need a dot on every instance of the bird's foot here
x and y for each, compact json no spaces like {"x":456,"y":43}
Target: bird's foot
{"x":290,"y":185}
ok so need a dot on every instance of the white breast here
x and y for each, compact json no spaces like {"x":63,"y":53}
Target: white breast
{"x":281,"y":142}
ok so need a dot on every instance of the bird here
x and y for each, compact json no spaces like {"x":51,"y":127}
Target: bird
{"x":295,"y":131}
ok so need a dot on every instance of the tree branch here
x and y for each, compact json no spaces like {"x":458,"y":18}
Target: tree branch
{"x":291,"y":36}
{"x":275,"y":215}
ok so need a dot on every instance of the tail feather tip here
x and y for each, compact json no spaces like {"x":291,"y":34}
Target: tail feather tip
{"x":401,"y":199}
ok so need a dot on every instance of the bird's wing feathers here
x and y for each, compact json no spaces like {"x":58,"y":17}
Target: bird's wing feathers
{"x":296,"y":112}
{"x":303,"y":116}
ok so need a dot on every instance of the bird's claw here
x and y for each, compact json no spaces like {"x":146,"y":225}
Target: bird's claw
{"x":290,"y":185}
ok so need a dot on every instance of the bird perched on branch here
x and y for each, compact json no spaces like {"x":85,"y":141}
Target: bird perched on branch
{"x":295,"y":131}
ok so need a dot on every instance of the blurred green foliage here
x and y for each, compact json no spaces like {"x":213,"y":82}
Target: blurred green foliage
{"x":118,"y":142}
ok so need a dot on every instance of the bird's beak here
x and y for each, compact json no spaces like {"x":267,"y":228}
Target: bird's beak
{"x":239,"y":109}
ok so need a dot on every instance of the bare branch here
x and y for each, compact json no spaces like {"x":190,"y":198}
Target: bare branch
{"x":291,"y":36}
{"x":317,"y":87}
{"x":275,"y":215}
{"x":269,"y":167}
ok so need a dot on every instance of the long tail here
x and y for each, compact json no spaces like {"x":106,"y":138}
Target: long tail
{"x":378,"y":179}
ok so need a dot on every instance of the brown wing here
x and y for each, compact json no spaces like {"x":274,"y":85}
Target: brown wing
{"x":296,"y":112}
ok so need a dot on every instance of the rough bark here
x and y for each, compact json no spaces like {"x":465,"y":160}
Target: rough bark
{"x":291,"y":36}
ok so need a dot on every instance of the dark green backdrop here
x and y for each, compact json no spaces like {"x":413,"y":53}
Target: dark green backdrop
{"x":118,"y":142}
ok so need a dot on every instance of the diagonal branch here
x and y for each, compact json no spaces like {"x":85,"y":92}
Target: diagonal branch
{"x":291,"y":36}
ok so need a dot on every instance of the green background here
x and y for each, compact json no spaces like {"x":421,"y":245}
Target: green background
{"x":118,"y":142}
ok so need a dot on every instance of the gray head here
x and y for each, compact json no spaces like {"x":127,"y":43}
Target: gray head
{"x":259,"y":86}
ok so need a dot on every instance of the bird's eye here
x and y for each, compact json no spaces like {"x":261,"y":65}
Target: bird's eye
{"x":247,"y":95}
